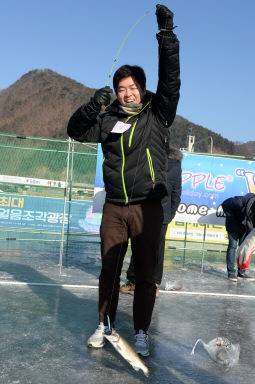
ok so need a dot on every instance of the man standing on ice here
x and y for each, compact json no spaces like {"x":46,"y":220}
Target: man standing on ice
{"x":133,"y":131}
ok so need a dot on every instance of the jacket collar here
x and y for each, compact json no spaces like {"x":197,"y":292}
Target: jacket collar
{"x":114,"y":107}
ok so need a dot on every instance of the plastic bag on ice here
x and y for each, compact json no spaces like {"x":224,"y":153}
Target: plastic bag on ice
{"x":221,"y":350}
{"x":245,"y":251}
{"x":173,"y":286}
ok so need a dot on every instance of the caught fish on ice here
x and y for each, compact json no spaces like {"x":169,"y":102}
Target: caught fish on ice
{"x":126,"y":351}
{"x":221,"y":350}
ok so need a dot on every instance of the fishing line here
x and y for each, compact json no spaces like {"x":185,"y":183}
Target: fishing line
{"x":116,"y":57}
{"x":107,"y":84}
{"x":138,"y":160}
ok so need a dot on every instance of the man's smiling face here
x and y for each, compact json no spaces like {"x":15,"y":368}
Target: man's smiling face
{"x":129,"y":91}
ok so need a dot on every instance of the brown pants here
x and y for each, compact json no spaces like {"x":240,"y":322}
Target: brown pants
{"x":142,"y":224}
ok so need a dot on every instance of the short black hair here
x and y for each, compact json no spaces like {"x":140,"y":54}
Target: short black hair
{"x":129,"y":70}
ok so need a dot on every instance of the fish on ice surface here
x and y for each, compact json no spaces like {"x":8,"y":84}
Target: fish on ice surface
{"x":126,"y":350}
{"x":221,"y":350}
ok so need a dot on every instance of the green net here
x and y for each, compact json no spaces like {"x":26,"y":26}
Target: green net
{"x":38,"y":158}
{"x":46,"y":168}
{"x":46,"y":199}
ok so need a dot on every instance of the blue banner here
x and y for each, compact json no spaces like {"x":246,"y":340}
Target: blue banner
{"x":99,"y":168}
{"x":42,"y":213}
{"x":207,"y":181}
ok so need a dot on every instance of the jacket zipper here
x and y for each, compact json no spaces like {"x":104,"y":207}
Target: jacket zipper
{"x":131,"y":134}
{"x":129,"y":144}
{"x":151,"y":166}
{"x":122,"y":168}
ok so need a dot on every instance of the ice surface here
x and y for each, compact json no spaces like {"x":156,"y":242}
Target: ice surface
{"x":44,"y":328}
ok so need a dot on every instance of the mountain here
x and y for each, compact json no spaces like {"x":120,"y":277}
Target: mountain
{"x":41,"y":102}
{"x":245,"y":149}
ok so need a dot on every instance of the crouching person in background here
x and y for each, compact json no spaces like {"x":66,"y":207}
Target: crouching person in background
{"x":240,"y":220}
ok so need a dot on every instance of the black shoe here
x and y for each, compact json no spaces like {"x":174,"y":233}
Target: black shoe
{"x":232,"y":277}
{"x":243,"y":275}
{"x":128,"y":288}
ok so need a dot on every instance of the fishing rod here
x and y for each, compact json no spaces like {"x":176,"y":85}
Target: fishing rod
{"x":116,"y":57}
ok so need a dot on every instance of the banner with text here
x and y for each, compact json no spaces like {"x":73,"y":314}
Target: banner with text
{"x":43,"y":213}
{"x":207,"y":181}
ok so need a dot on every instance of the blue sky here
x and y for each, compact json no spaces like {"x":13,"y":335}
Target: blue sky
{"x":79,"y":39}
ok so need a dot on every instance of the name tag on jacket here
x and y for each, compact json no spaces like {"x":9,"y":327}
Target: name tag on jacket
{"x":120,"y":127}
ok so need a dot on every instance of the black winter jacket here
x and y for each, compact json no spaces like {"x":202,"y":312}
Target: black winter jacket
{"x":174,"y":185}
{"x":240,"y":213}
{"x":135,"y":162}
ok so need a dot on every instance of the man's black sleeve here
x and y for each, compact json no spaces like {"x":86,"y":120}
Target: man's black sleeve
{"x":168,"y":89}
{"x":84,"y":124}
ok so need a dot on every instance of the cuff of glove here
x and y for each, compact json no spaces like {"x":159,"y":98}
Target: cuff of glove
{"x":167,"y":33}
{"x":167,"y":29}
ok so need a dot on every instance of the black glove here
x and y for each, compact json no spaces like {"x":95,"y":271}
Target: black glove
{"x":164,"y":18}
{"x":103,"y":96}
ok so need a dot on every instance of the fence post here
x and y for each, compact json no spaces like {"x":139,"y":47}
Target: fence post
{"x":185,"y":243}
{"x":203,"y":249}
{"x":60,"y":263}
{"x":70,"y":184}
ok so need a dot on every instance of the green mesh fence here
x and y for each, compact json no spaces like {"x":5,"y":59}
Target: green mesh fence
{"x":45,"y":186}
{"x":62,"y":172}
{"x":32,"y":157}
{"x":38,"y":167}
